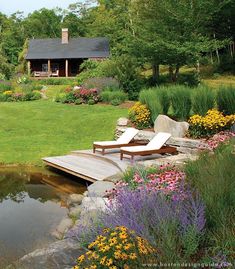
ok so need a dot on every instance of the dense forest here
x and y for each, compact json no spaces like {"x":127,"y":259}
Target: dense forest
{"x":168,"y":32}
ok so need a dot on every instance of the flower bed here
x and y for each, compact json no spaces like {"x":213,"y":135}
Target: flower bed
{"x":115,"y":248}
{"x":140,"y":115}
{"x":212,"y":123}
{"x":79,"y":96}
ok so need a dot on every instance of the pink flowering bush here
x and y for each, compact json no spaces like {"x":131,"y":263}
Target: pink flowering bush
{"x":167,"y":180}
{"x":216,"y":140}
{"x":87,"y":94}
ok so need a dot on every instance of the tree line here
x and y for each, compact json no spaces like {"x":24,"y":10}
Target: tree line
{"x":168,"y":32}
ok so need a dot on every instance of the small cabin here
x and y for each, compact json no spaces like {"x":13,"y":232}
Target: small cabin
{"x":62,"y":57}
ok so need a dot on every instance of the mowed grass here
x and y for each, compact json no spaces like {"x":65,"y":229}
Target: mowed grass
{"x":36,"y":129}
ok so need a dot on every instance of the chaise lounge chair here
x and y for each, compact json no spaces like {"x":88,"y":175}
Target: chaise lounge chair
{"x":124,"y":140}
{"x":156,"y":145}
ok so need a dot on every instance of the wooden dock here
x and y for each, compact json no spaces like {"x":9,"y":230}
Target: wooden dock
{"x":92,"y":167}
{"x":88,"y":166}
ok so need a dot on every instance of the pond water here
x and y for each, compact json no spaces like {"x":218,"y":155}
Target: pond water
{"x":32,"y":203}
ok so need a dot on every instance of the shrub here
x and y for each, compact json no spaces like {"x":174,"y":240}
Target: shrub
{"x":5,"y":86}
{"x":56,"y":81}
{"x":181,"y":101}
{"x":91,"y":102}
{"x":149,"y":97}
{"x":166,"y":223}
{"x":213,"y":177}
{"x":108,"y":96}
{"x":85,"y":95}
{"x":203,"y":99}
{"x":105,"y":96}
{"x":116,"y":102}
{"x":61,"y":97}
{"x":101,"y":83}
{"x":212,"y":123}
{"x":226,"y":100}
{"x":139,"y":115}
{"x":189,"y":79}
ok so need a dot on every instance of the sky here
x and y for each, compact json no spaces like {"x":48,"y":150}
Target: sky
{"x":28,"y":6}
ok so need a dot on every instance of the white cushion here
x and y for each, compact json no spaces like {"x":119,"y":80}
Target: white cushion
{"x":127,"y":136}
{"x":156,"y":143}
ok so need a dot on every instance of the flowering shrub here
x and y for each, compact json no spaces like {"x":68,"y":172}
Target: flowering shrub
{"x":87,"y":94}
{"x":11,"y":96}
{"x":217,"y":139}
{"x":139,"y":115}
{"x":78,"y":96}
{"x":212,"y":123}
{"x":115,"y":248}
{"x":167,"y":180}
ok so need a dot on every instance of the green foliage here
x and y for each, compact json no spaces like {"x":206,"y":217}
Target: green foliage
{"x":5,"y":86}
{"x":150,"y":98}
{"x":116,"y":102}
{"x":213,"y":177}
{"x":164,"y":98}
{"x":56,"y":81}
{"x":6,"y":69}
{"x":91,"y":102}
{"x":109,"y":96}
{"x":101,"y":83}
{"x":226,"y":100}
{"x":181,"y":101}
{"x":123,"y":69}
{"x":191,"y":79}
{"x":203,"y":99}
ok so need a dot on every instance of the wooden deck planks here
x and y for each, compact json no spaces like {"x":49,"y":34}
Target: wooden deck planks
{"x":87,"y":167}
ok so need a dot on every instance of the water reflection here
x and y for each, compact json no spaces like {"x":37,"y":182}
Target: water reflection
{"x":32,"y":203}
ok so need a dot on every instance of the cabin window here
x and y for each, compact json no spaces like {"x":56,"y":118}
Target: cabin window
{"x":44,"y":67}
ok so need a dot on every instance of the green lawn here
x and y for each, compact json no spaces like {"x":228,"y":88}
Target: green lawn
{"x":32,"y":130}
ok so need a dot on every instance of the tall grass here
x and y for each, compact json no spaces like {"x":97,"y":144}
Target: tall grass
{"x":226,"y":100}
{"x":181,"y":101}
{"x":214,"y":178}
{"x":203,"y":99}
{"x":164,"y":98}
{"x":149,"y":97}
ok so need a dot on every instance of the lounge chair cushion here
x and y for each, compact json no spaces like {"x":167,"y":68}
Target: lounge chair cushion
{"x":156,"y":143}
{"x":125,"y":138}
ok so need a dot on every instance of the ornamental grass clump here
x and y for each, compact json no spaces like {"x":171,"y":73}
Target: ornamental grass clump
{"x":150,"y":98}
{"x":181,"y":102}
{"x":212,"y":123}
{"x":116,"y":248}
{"x":203,"y":99}
{"x":226,"y":100}
{"x":139,"y":115}
{"x":213,"y":176}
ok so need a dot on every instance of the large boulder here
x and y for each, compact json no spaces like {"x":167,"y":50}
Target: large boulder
{"x":59,"y":255}
{"x":99,"y":188}
{"x":166,"y":124}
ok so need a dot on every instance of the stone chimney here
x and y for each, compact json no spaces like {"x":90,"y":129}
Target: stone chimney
{"x":65,"y":36}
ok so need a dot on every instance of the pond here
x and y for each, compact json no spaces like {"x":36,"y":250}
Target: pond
{"x":32,"y":203}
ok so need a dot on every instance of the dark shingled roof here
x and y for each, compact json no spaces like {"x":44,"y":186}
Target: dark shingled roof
{"x":81,"y":47}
